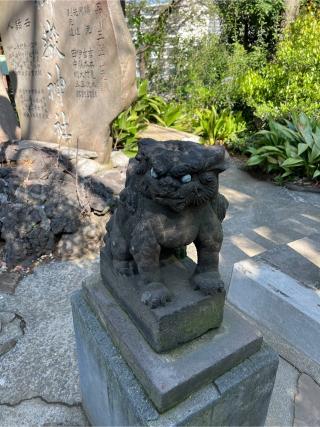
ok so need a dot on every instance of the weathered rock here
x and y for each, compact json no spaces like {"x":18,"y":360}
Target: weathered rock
{"x":85,"y":167}
{"x":99,"y":192}
{"x":9,"y":129}
{"x":42,"y":201}
{"x":85,"y":242}
{"x":4,"y":172}
{"x":75,"y":74}
{"x":112,"y":180}
{"x":26,"y":231}
{"x":119,"y":159}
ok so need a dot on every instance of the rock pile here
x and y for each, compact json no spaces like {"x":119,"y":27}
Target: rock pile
{"x":48,"y":204}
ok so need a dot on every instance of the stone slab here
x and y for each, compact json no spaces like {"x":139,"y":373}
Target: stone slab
{"x":281,"y":408}
{"x":161,"y":133}
{"x":73,"y":61}
{"x":188,"y":315}
{"x":68,"y":153}
{"x":112,"y":395}
{"x":298,"y":259}
{"x":169,"y":378}
{"x":279,"y":304}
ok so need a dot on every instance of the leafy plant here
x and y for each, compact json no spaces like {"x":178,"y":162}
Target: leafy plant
{"x":290,"y":149}
{"x":217,"y":127}
{"x":147,"y":108}
{"x":169,"y":115}
{"x":291,"y":82}
{"x":126,"y":127}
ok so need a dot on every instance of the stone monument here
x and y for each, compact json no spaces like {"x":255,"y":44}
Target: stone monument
{"x":156,"y":346}
{"x":74,"y":63}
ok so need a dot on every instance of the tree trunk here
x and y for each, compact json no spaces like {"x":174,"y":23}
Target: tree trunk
{"x":291,"y":10}
{"x":142,"y":65}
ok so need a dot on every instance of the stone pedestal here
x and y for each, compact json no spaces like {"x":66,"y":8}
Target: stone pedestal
{"x":224,"y":377}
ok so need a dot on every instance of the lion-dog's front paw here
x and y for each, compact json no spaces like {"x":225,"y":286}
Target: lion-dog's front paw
{"x":208,"y":282}
{"x":155,"y":295}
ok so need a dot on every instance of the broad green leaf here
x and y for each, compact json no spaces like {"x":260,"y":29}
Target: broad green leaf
{"x":292,"y":162}
{"x":269,"y":148}
{"x":302,"y":147}
{"x":315,"y":154}
{"x":287,"y":173}
{"x":254,"y":160}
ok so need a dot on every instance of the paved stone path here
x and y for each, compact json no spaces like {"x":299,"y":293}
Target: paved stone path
{"x":38,"y":370}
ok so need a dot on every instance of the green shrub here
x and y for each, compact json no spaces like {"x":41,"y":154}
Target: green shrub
{"x":209,"y":74}
{"x":291,"y":82}
{"x":291,"y":149}
{"x":217,"y":127}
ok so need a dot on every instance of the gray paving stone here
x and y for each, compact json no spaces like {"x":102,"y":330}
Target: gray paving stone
{"x":281,"y":408}
{"x":43,"y":362}
{"x":37,"y":413}
{"x":266,"y":214}
{"x":307,"y":403}
{"x":289,"y":261}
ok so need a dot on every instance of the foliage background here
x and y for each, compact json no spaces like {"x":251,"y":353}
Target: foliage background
{"x":239,"y":82}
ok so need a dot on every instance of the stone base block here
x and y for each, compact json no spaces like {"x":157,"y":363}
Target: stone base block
{"x":112,"y":395}
{"x":281,"y":305}
{"x":189,"y":314}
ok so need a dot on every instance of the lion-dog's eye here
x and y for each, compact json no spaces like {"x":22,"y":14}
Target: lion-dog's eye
{"x":153,"y":173}
{"x":186,"y":178}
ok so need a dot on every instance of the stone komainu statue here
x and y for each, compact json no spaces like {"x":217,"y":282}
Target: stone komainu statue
{"x":170,"y":200}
